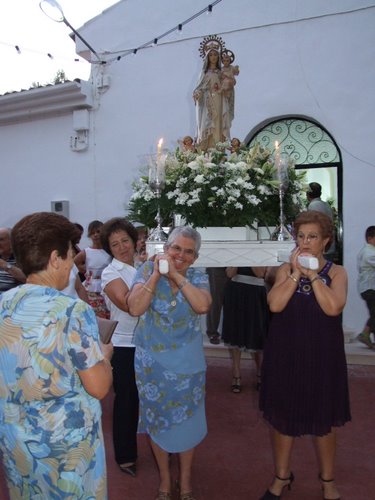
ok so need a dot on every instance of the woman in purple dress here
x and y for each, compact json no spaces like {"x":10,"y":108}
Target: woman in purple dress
{"x":304,"y":377}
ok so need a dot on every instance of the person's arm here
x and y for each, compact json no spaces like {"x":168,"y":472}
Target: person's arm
{"x":80,"y":261}
{"x":231,"y":271}
{"x":89,"y":356}
{"x":97,"y":380}
{"x":332,"y":299}
{"x":285,"y":285}
{"x":199,"y":299}
{"x":141,"y":294}
{"x":259,"y":271}
{"x":81,"y":290}
{"x":13,"y":271}
{"x":117,"y":292}
{"x":270,"y":275}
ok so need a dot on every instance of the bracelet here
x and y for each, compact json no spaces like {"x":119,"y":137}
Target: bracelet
{"x":293,"y":278}
{"x":148,"y":289}
{"x":317,"y":277}
{"x":183,"y":283}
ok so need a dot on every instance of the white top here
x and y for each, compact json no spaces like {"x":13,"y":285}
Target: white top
{"x":321,"y":206}
{"x":123,"y":336}
{"x":366,"y":268}
{"x":71,"y":288}
{"x":96,"y":260}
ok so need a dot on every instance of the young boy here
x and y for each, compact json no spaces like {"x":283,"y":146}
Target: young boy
{"x":366,"y":283}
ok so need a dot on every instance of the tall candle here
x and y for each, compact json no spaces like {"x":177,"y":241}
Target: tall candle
{"x":160,"y":144}
{"x":160,"y":162}
{"x":277,"y":158}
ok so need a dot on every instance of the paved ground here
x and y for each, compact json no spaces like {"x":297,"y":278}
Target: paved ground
{"x":234,"y":462}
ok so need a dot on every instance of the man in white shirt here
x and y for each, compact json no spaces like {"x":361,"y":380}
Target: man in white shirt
{"x":316,"y":203}
{"x":366,"y":283}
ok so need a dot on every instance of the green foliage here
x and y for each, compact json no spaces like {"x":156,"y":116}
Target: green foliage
{"x":212,"y":189}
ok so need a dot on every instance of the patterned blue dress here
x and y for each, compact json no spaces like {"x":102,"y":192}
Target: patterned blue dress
{"x":50,"y":427}
{"x":170,"y":366}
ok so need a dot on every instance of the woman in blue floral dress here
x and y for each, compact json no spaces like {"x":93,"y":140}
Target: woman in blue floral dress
{"x":169,"y":361}
{"x":53,"y":371}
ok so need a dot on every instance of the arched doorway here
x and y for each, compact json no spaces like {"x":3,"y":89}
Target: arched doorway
{"x":314,"y":150}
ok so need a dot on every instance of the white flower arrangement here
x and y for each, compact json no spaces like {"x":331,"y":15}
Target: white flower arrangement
{"x":212,"y":189}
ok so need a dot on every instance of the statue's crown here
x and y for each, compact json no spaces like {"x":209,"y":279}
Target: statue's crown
{"x":211,"y":42}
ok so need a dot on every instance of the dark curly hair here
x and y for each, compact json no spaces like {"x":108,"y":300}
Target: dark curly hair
{"x":35,"y":237}
{"x":113,"y":226}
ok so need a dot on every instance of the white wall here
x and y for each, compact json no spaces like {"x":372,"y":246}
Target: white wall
{"x":320,"y":67}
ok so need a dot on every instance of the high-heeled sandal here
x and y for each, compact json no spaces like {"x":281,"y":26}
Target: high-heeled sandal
{"x":130,"y":469}
{"x":187,"y":496}
{"x":327,"y":481}
{"x":236,"y":385}
{"x":271,"y":496}
{"x":163,"y":495}
{"x":184,"y":496}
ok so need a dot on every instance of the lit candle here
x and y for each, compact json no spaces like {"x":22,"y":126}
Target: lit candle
{"x":277,"y":158}
{"x":160,"y":143}
{"x":160,"y":162}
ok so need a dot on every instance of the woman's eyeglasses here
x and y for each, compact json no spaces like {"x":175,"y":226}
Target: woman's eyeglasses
{"x":186,"y":251}
{"x":309,"y":237}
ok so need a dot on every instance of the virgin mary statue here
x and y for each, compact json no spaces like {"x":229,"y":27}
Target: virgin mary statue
{"x":207,"y":95}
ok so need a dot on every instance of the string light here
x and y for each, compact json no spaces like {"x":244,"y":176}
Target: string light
{"x":50,"y":55}
{"x":154,"y":41}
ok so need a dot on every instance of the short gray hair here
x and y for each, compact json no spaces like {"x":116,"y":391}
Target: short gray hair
{"x":185,"y":232}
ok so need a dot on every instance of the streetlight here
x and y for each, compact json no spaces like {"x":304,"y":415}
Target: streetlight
{"x":53,"y":10}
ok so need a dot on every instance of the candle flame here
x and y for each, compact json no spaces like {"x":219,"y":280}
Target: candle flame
{"x":160,"y":143}
{"x":276,"y":145}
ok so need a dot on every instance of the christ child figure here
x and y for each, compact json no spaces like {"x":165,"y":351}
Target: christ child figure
{"x":228,"y":72}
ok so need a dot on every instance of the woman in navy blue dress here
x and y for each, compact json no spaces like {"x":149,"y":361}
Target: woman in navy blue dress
{"x":304,"y":376}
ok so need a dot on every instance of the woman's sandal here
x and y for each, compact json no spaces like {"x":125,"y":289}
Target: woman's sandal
{"x":326,"y":481}
{"x":184,"y":496}
{"x":236,"y":385}
{"x":130,"y":469}
{"x":271,"y":496}
{"x":187,"y":496}
{"x":163,"y":495}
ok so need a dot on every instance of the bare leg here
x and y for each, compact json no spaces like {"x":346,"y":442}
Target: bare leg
{"x":235,"y":354}
{"x":282,"y":449}
{"x":326,"y":450}
{"x":162,"y":459}
{"x":186,"y":461}
{"x":366,"y":329}
{"x":258,"y":356}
